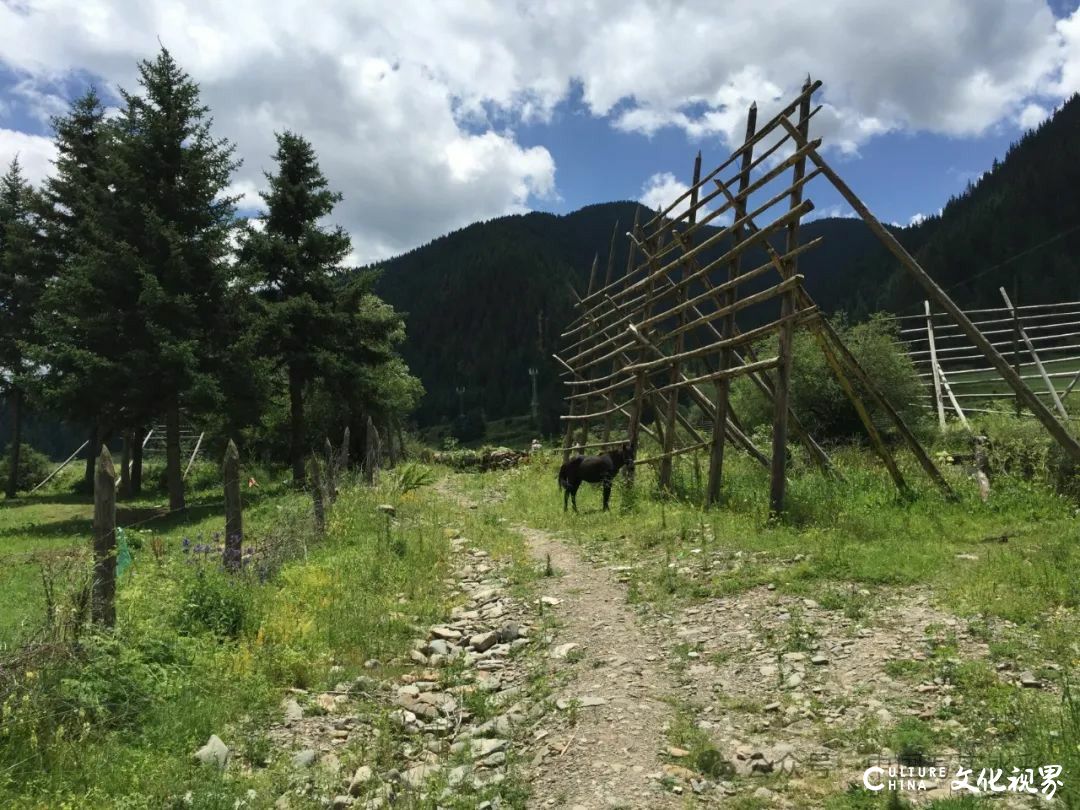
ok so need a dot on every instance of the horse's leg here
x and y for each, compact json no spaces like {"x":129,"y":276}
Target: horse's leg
{"x":573,"y":496}
{"x":607,"y":493}
{"x":565,"y":498}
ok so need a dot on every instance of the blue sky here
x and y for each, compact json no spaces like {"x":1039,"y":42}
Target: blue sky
{"x":431,"y":116}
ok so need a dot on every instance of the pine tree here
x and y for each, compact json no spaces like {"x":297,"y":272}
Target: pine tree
{"x":170,"y":181}
{"x":320,"y":322}
{"x":22,"y":279}
{"x":89,"y":313}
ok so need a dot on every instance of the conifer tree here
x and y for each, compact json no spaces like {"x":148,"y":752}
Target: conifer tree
{"x":88,"y":313}
{"x":320,"y":321}
{"x":22,"y":279}
{"x":170,"y":178}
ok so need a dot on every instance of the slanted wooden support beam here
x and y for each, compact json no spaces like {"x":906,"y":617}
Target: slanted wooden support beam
{"x":860,"y":408}
{"x":1060,"y":433}
{"x":1038,"y":363}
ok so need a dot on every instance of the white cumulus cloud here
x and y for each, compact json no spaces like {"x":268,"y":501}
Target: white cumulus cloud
{"x":412,"y":107}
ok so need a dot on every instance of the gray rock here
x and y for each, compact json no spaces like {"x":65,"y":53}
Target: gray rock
{"x":589,"y":700}
{"x":1029,"y":681}
{"x":293,"y":712}
{"x":509,"y":632}
{"x":305,"y":758}
{"x":341,"y":802}
{"x":363,"y":775}
{"x":418,"y":774}
{"x":485,"y":747}
{"x":215,"y":752}
{"x":482,"y":642}
{"x":437,"y":647}
{"x":495,"y":760}
{"x":820,"y":659}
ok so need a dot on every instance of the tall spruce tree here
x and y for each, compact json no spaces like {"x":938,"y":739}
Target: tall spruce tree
{"x":170,"y":177}
{"x":320,"y":321}
{"x":22,"y":279}
{"x":89,"y":313}
{"x":296,"y":263}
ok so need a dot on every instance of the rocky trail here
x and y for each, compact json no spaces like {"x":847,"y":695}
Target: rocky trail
{"x":573,"y":697}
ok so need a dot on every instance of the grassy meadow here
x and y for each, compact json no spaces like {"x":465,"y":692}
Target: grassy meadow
{"x":113,"y":721}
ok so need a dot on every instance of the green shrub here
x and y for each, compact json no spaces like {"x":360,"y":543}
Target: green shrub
{"x":817,"y":397}
{"x":34,"y":467}
{"x":213,"y":602}
{"x":114,"y":680}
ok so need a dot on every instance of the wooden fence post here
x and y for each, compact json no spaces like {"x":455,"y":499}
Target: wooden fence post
{"x":317,"y":495}
{"x":371,"y":453}
{"x":103,"y":605}
{"x":234,"y":519}
{"x":343,"y":459}
{"x":331,"y":471}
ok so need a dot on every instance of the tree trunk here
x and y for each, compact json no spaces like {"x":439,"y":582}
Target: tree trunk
{"x":138,"y":435}
{"x":125,"y":466}
{"x":16,"y":442}
{"x":103,"y":603}
{"x":174,"y":473}
{"x":296,"y":422}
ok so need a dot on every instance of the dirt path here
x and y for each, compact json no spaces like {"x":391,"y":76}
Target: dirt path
{"x":602,"y":745}
{"x":614,"y":700}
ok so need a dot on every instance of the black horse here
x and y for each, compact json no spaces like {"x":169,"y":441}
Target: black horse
{"x":594,"y":469}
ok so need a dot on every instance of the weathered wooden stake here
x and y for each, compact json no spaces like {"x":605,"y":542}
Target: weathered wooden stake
{"x":778,"y":475}
{"x":317,"y":494}
{"x":371,"y":453}
{"x":103,"y":605}
{"x":234,"y":519}
{"x":331,"y":471}
{"x":343,"y":458}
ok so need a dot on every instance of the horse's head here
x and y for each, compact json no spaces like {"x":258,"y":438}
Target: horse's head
{"x":627,"y":451}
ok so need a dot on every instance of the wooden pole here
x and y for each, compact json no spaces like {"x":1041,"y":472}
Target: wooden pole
{"x":331,"y":471}
{"x":194,"y":455}
{"x":1060,"y":433}
{"x":234,"y":517}
{"x":343,"y":458}
{"x":778,"y":478}
{"x":1034,"y":356}
{"x":67,"y":461}
{"x":934,"y":368}
{"x":103,"y":602}
{"x":1016,"y":340}
{"x":952,"y":397}
{"x":371,"y":453}
{"x":727,"y":331}
{"x":317,"y":494}
{"x":883,"y":401}
{"x":860,"y":409}
{"x":666,"y":466}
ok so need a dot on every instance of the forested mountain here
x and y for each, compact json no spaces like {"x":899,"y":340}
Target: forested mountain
{"x":1019,"y":223}
{"x":487,"y":302}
